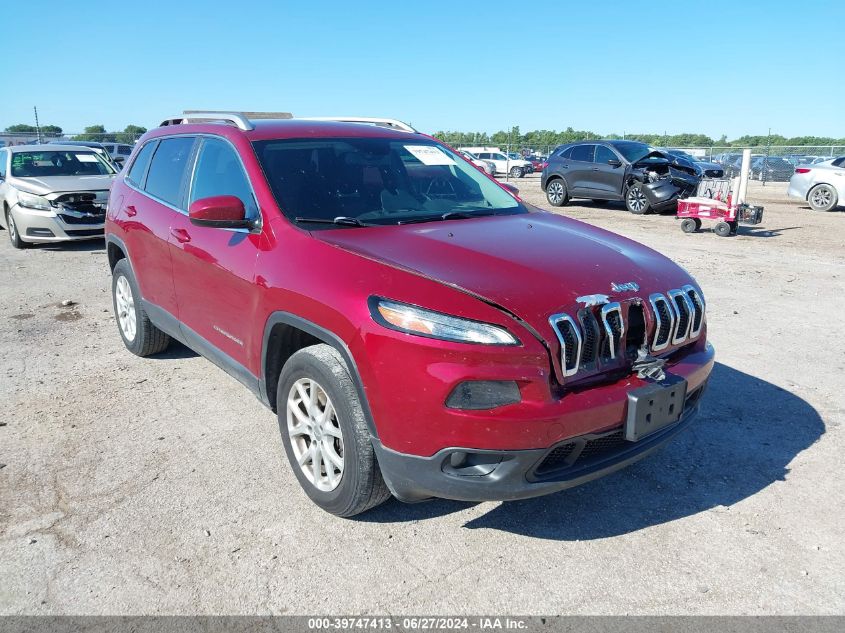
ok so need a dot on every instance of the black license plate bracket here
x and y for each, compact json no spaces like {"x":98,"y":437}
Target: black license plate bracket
{"x":654,"y":407}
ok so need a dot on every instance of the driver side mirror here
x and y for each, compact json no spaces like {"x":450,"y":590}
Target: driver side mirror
{"x":512,"y":188}
{"x":219,"y":212}
{"x":614,"y":163}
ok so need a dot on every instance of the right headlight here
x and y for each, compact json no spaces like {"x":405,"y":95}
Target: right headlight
{"x":31,"y":201}
{"x":422,"y":322}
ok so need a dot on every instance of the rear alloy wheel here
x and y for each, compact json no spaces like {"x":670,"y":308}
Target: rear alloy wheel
{"x":14,"y":236}
{"x":690,"y":225}
{"x":556,"y":193}
{"x":325,"y":433}
{"x":517,"y":172}
{"x":822,"y":198}
{"x":635,"y":199}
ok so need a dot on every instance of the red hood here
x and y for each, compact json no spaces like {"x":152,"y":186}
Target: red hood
{"x":533,"y":264}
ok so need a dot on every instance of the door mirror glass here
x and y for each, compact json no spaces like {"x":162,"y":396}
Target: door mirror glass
{"x":222,"y":212}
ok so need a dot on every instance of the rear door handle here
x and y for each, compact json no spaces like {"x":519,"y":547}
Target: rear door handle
{"x":131,"y":211}
{"x":595,"y":168}
{"x":181,"y":235}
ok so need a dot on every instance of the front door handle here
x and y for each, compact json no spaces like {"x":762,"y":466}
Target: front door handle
{"x":181,"y":235}
{"x":595,"y":168}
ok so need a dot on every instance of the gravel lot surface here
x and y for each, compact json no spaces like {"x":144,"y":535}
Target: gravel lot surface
{"x":159,"y":485}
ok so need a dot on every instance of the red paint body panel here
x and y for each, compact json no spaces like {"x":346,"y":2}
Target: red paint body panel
{"x":510,"y":271}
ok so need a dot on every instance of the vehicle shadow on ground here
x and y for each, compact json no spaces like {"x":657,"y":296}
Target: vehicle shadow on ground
{"x":745,"y":231}
{"x":73,"y":247}
{"x":175,"y":351}
{"x":744,"y":439}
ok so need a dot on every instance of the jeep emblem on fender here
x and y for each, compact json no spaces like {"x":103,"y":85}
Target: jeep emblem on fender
{"x":626,"y":287}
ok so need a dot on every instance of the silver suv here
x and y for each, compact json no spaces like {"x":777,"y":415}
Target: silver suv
{"x":53,"y":193}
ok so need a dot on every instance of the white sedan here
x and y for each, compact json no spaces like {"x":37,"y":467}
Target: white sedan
{"x":822,"y":185}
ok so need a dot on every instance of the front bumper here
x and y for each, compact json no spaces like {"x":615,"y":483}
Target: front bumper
{"x":36,"y":226}
{"x":519,"y":474}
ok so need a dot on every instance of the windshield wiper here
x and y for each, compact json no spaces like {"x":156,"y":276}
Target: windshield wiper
{"x":449,"y":215}
{"x":341,"y":220}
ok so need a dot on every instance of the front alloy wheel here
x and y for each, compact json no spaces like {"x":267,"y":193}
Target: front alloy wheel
{"x":14,"y":236}
{"x":635,"y":200}
{"x":125,"y":304}
{"x":315,"y":435}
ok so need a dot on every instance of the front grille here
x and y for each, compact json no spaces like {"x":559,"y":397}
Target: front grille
{"x":592,"y":337}
{"x":85,"y":232}
{"x":614,"y":328}
{"x":581,"y":450}
{"x":636,"y":336}
{"x":683,"y":311}
{"x":714,"y":173}
{"x":698,"y":311}
{"x":664,"y":318}
{"x":570,"y":339}
{"x":93,"y":219}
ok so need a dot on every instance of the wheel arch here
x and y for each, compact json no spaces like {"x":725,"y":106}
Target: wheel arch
{"x":284,"y":335}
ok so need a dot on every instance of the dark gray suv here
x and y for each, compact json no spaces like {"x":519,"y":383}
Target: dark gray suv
{"x":645,"y":178}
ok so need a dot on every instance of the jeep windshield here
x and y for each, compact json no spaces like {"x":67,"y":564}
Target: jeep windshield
{"x":376,"y":181}
{"x":59,"y":163}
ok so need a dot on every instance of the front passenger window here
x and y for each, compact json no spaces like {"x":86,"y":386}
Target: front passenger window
{"x":219,"y":173}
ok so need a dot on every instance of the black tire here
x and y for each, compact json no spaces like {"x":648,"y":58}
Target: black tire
{"x":690,"y":225}
{"x":556,"y":192}
{"x":148,"y":339}
{"x":517,"y":172}
{"x":722,"y":229}
{"x":361,"y":486}
{"x":822,"y":198}
{"x":14,"y":234}
{"x":635,"y":199}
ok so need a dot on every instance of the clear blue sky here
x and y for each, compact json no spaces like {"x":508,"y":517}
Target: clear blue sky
{"x":605,"y":66}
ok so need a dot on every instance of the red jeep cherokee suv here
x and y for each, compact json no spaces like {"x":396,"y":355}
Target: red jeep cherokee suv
{"x":418,"y":329}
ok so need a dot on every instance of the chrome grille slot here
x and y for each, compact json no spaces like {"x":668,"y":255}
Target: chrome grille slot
{"x":683,"y":311}
{"x":592,"y":338}
{"x":698,"y":311}
{"x":664,"y":321}
{"x":614,"y":327}
{"x":571,"y":342}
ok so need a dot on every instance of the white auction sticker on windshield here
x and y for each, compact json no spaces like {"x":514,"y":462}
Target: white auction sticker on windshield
{"x":430,"y":155}
{"x":86,"y":158}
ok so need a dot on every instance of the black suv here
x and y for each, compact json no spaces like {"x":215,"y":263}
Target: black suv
{"x":645,"y":178}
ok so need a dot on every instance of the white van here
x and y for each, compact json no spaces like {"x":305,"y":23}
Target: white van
{"x":517,"y":168}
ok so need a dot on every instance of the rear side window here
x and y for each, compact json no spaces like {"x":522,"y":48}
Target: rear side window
{"x":584,"y":153}
{"x":3,"y":158}
{"x":219,"y":173}
{"x":167,"y":169}
{"x":139,"y":165}
{"x":839,"y":162}
{"x":124,"y":150}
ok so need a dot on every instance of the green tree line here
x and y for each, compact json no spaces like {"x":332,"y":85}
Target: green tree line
{"x":547,"y":138}
{"x":92,"y":133}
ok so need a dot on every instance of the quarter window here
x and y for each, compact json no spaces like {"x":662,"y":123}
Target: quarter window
{"x":167,"y":169}
{"x":3,"y":159}
{"x":219,"y":173}
{"x":139,"y":165}
{"x":583,"y":153}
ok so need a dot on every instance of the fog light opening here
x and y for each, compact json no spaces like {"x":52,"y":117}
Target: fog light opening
{"x":476,"y":395}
